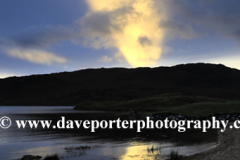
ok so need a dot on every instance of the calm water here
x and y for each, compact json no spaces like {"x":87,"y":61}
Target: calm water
{"x":105,"y":144}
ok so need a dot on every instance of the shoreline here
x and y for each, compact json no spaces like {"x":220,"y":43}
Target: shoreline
{"x":228,"y":148}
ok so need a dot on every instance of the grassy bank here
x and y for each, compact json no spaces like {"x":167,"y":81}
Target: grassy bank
{"x":207,"y":108}
{"x":167,"y":103}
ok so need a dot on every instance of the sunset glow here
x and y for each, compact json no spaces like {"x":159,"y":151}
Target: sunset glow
{"x":133,"y":29}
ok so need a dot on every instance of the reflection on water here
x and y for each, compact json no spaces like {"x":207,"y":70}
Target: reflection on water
{"x":40,"y":110}
{"x":111,"y":144}
{"x":142,"y":151}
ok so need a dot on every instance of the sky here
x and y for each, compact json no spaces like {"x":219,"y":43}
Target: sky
{"x":42,"y":36}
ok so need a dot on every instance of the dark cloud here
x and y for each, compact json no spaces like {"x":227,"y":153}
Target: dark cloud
{"x":102,"y":23}
{"x":206,"y":16}
{"x":144,"y":41}
{"x":42,"y":37}
{"x":178,"y":29}
{"x":96,"y":23}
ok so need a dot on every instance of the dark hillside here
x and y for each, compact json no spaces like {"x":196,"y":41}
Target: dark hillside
{"x":71,"y":88}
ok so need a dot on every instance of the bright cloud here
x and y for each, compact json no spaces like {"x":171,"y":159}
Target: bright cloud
{"x":36,"y":56}
{"x":132,"y":26}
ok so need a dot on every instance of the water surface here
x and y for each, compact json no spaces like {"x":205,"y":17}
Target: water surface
{"x":105,"y":144}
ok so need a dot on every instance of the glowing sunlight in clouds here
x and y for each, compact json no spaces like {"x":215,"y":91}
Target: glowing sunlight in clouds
{"x":132,"y":26}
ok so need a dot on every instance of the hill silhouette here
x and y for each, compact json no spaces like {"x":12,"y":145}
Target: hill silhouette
{"x":121,"y":84}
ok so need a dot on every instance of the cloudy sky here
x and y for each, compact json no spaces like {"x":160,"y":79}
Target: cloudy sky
{"x":45,"y":36}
